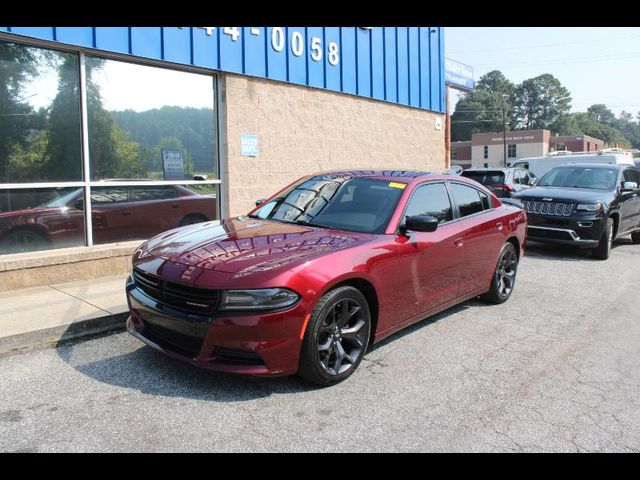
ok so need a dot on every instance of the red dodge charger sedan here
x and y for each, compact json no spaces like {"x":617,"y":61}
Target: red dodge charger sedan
{"x":326,"y":267}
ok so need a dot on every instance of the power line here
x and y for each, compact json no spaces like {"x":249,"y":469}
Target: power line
{"x":556,"y":61}
{"x":544,"y":45}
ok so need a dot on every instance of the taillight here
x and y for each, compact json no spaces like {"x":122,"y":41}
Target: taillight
{"x":506,"y":188}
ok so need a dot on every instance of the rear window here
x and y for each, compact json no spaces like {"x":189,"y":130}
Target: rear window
{"x":486,"y":178}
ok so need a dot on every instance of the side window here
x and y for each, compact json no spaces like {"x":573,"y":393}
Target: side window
{"x":486,"y":203}
{"x":431,"y":199}
{"x":517,"y":176}
{"x":107,"y":195}
{"x":631,"y":175}
{"x":467,"y":199}
{"x":525,"y":177}
{"x":161,"y":192}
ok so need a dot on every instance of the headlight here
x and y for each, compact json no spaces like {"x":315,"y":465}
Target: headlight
{"x":259,"y":299}
{"x":590,"y":207}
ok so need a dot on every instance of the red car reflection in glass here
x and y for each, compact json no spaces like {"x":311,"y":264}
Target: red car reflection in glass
{"x":321,"y":270}
{"x":118,"y":213}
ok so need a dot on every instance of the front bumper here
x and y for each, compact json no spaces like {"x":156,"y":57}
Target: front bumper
{"x":582,"y":231}
{"x":266,"y":344}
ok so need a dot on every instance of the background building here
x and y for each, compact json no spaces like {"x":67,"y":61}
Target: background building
{"x":489,"y":149}
{"x":112,"y":134}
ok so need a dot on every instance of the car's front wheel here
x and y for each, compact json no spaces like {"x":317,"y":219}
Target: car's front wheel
{"x":504,"y":278}
{"x":336,"y":337}
{"x":603,"y":249}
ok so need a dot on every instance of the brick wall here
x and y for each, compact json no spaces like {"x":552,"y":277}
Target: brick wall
{"x":302,"y":130}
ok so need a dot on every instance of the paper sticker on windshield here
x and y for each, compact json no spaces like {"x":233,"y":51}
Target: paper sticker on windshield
{"x":401,"y":186}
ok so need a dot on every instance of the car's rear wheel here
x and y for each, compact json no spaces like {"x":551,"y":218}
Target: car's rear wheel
{"x":504,"y":278}
{"x":602,"y":251}
{"x":336,"y":337}
{"x":635,"y":237}
{"x":22,"y":240}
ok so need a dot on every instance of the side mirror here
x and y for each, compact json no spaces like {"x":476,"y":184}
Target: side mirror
{"x":79,"y":204}
{"x":420,"y":223}
{"x":532,"y":182}
{"x":629,"y":186}
{"x":260,"y":202}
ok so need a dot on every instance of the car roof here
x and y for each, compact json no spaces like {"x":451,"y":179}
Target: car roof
{"x":405,"y":176}
{"x":594,"y":165}
{"x":496,"y":169}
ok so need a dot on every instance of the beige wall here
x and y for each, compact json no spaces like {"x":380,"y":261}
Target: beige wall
{"x":303,"y":130}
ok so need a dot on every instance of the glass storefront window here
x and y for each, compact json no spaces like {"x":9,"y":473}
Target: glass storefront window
{"x":149,"y":122}
{"x":40,"y":138}
{"x":41,"y":218}
{"x":145,"y":125}
{"x":139,"y":212}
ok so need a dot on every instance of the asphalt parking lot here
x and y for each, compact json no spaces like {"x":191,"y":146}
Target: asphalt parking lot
{"x":556,"y":368}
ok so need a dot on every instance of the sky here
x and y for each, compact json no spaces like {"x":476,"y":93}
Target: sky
{"x":596,"y":64}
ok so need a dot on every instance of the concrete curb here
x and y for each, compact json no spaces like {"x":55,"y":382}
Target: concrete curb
{"x":54,"y":336}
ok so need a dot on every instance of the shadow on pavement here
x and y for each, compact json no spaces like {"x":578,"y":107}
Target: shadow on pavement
{"x":148,"y":371}
{"x":549,"y":251}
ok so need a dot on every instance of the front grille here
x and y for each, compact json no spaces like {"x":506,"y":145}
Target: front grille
{"x":548,"y":208}
{"x":177,"y":342}
{"x":191,"y":299}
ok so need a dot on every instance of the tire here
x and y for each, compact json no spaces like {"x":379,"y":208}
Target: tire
{"x":22,"y":240}
{"x":635,"y":237}
{"x":504,"y":278}
{"x":326,"y":336}
{"x":602,"y":251}
{"x":192,"y":218}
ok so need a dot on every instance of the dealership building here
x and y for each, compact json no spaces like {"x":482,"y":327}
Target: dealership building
{"x":492,"y":148}
{"x":109,"y":135}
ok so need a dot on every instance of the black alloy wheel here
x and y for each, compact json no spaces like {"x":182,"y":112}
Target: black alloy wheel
{"x":336,"y":337}
{"x":504,"y":278}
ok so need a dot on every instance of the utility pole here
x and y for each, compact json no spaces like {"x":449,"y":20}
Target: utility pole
{"x":504,"y":135}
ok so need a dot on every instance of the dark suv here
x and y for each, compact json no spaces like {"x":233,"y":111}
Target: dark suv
{"x":503,"y":182}
{"x":586,"y":205}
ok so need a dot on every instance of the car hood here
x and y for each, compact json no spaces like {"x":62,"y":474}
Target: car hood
{"x":243,"y":244}
{"x":556,"y":194}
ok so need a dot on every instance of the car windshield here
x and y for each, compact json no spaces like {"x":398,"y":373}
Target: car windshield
{"x":494,"y":177}
{"x":62,"y":197}
{"x":580,"y":177}
{"x":341,"y":202}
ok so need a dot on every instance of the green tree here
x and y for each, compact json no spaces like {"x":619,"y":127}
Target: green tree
{"x":478,"y":111}
{"x":540,"y":102}
{"x":602,"y":114}
{"x":17,"y":67}
{"x":63,"y":155}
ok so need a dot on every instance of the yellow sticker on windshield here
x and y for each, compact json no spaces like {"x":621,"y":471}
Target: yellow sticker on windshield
{"x":401,"y":186}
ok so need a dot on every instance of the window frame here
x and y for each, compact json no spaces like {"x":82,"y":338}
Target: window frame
{"x":87,"y":183}
{"x":424,"y":184}
{"x":457,"y":215}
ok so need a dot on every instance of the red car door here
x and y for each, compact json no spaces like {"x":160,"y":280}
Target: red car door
{"x":112,"y":216}
{"x":157,"y":208}
{"x":429,"y":262}
{"x":482,"y":231}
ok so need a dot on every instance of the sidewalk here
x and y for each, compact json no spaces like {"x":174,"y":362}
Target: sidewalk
{"x":43,"y":316}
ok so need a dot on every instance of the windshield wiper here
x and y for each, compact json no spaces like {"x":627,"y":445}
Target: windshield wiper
{"x":308,"y":224}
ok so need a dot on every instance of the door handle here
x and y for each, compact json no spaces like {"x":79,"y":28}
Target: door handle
{"x":175,"y":206}
{"x":499,"y":226}
{"x":126,"y":214}
{"x":458,"y":242}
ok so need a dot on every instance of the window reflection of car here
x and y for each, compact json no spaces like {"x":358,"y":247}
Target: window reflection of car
{"x":118,"y":213}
